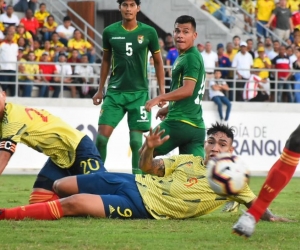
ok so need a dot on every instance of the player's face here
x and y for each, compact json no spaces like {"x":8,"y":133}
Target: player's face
{"x":216,"y":144}
{"x":129,"y":10}
{"x":184,"y":36}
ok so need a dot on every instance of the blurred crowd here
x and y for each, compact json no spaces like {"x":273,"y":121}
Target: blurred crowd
{"x":43,"y":53}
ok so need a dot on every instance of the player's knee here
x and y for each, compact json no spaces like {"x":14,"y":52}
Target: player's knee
{"x":293,"y":143}
{"x":71,"y":205}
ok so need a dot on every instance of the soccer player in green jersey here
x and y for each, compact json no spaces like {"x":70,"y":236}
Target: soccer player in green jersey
{"x":175,"y":188}
{"x":182,"y":119}
{"x":126,"y":45}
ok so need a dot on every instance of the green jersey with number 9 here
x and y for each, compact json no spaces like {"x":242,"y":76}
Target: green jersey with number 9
{"x":188,"y":66}
{"x":130,"y":55}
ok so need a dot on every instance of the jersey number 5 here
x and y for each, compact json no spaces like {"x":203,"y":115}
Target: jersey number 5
{"x":129,"y":50}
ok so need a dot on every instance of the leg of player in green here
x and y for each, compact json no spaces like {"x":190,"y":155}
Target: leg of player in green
{"x":101,"y":144}
{"x":136,"y":138}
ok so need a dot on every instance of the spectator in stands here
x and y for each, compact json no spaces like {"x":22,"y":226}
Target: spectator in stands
{"x":49,"y":50}
{"x":263,"y":63}
{"x":57,"y":45}
{"x":263,"y":11}
{"x":41,"y":15}
{"x":47,"y":72}
{"x":171,"y":58}
{"x":21,"y":32}
{"x":254,"y":88}
{"x":65,"y":31}
{"x":162,"y":50}
{"x":272,"y":54}
{"x":9,"y":18}
{"x":284,"y":23}
{"x":282,"y":62}
{"x":216,"y":10}
{"x":217,"y":86}
{"x":243,"y":62}
{"x":2,"y":6}
{"x":169,"y":42}
{"x":236,"y":43}
{"x":230,"y":53}
{"x":293,"y":5}
{"x":83,"y":46}
{"x":296,"y":66}
{"x":152,"y":78}
{"x":30,"y":75}
{"x":64,"y":72}
{"x":74,"y":59}
{"x":23,"y":44}
{"x":292,"y":57}
{"x":200,"y":47}
{"x":247,"y":6}
{"x":86,"y":74}
{"x":24,"y":5}
{"x":31,"y":24}
{"x":268,"y":45}
{"x":8,"y":63}
{"x":49,"y":28}
{"x":223,"y":61}
{"x":249,"y":42}
{"x":210,"y":59}
{"x":37,"y":49}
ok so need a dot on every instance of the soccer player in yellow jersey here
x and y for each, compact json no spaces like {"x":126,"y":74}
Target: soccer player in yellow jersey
{"x":175,"y":188}
{"x":70,"y":151}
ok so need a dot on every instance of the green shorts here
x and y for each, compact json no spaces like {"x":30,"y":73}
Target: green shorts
{"x":188,"y":138}
{"x":116,"y":104}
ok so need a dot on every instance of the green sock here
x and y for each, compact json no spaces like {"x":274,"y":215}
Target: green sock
{"x":101,"y":144}
{"x":136,"y":139}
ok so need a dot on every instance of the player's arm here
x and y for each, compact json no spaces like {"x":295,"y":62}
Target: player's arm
{"x":183,"y":92}
{"x":159,"y":70}
{"x":105,"y":67}
{"x":146,"y":163}
{"x":7,"y":148}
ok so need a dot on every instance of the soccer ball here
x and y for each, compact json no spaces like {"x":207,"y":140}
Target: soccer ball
{"x":227,"y":174}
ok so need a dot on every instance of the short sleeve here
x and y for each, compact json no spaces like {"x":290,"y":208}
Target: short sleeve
{"x":171,"y":163}
{"x":192,"y":67}
{"x":105,"y":38}
{"x":153,"y":42}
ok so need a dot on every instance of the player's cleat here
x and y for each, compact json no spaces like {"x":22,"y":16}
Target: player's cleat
{"x":245,"y":225}
{"x":231,"y":207}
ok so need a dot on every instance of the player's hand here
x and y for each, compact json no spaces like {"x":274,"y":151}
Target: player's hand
{"x":151,"y":103}
{"x":97,"y":98}
{"x":280,"y":219}
{"x":162,"y":113}
{"x":153,"y":139}
{"x":162,"y":104}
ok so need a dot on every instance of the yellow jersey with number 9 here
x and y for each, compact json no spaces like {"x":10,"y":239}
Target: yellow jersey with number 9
{"x":41,"y":131}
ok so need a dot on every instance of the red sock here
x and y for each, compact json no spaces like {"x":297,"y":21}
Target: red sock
{"x":37,"y":197}
{"x":278,"y":177}
{"x":51,"y":210}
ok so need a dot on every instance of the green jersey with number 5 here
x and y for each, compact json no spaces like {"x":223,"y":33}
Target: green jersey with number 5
{"x":188,"y":66}
{"x":129,"y":55}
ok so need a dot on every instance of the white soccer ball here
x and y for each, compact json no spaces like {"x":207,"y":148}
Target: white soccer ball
{"x":227,"y":174}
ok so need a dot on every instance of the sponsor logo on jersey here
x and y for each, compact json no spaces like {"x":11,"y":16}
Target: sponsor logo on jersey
{"x":118,"y":37}
{"x":140,"y":39}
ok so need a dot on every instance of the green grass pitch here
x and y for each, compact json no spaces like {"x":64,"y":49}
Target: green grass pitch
{"x":212,"y":231}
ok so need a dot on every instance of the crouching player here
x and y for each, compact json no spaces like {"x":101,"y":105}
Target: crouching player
{"x":177,"y":188}
{"x":70,"y":151}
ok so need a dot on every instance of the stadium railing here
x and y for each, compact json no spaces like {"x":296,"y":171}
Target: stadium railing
{"x":233,"y":82}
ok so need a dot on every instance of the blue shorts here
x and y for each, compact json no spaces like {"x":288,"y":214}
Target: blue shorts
{"x":119,"y":193}
{"x":87,"y":161}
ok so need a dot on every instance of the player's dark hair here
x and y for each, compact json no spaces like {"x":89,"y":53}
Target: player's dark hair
{"x":138,"y":2}
{"x":219,"y":127}
{"x":186,"y":19}
{"x":42,"y":4}
{"x":236,"y":37}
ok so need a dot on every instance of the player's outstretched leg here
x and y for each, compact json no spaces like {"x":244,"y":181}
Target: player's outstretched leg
{"x":136,"y":141}
{"x":101,"y":144}
{"x":75,"y":205}
{"x":278,"y":177}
